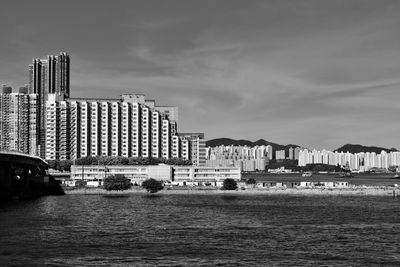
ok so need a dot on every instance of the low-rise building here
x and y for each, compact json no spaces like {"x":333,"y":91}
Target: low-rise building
{"x":178,"y":175}
{"x":195,"y":175}
{"x":137,"y":174}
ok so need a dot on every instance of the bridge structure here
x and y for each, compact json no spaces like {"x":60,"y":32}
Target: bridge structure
{"x":24,"y":176}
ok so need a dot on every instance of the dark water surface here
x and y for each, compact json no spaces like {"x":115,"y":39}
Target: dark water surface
{"x":170,"y":230}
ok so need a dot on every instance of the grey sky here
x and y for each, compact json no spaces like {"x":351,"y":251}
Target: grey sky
{"x":315,"y":73}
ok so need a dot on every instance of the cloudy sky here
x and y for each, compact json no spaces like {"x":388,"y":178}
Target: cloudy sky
{"x":314,"y":73}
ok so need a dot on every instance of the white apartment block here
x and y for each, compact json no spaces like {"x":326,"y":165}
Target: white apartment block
{"x":18,"y":121}
{"x":33,"y":124}
{"x":74,"y":127}
{"x":359,"y":161}
{"x":176,"y":146}
{"x":51,"y":129}
{"x":145,"y":132}
{"x":115,"y":129}
{"x":135,"y":129}
{"x":94,"y":129}
{"x":185,"y":152}
{"x":155,"y":134}
{"x":166,"y":139}
{"x":84,"y":121}
{"x":105,"y":133}
{"x":125,"y":127}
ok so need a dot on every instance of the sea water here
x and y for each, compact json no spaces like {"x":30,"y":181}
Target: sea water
{"x":200,"y":230}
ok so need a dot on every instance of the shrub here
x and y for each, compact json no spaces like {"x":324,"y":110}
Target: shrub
{"x":229,"y":184}
{"x":117,"y":182}
{"x":152,"y":185}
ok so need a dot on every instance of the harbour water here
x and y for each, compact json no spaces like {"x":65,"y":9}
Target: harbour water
{"x":200,"y":230}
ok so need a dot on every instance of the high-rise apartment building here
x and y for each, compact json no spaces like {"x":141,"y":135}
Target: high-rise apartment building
{"x":193,"y":147}
{"x":49,"y":76}
{"x":18,"y":121}
{"x":362,"y":161}
{"x":43,"y":120}
{"x":114,"y":127}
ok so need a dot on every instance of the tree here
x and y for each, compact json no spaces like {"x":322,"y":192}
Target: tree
{"x":117,"y":182}
{"x":52,"y":164}
{"x":152,"y":185}
{"x":251,"y":181}
{"x":229,"y":184}
{"x":65,"y":165}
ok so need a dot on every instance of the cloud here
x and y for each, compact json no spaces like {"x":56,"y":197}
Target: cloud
{"x":314,"y":73}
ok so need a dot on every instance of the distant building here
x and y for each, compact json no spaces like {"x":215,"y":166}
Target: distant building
{"x":247,"y":158}
{"x":358,"y":161}
{"x":194,"y":147}
{"x":269,"y":152}
{"x":291,"y":153}
{"x":296,"y":153}
{"x":246,"y":165}
{"x":280,"y":154}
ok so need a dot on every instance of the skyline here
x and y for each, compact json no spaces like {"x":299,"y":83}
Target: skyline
{"x":266,"y":69}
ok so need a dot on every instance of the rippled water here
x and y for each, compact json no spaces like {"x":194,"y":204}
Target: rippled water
{"x":93,"y":230}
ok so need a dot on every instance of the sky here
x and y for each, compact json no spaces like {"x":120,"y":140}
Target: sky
{"x":316,"y":73}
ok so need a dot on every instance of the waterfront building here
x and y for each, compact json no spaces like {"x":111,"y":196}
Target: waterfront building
{"x":200,"y":175}
{"x":18,"y":121}
{"x":180,"y":175}
{"x":136,"y":174}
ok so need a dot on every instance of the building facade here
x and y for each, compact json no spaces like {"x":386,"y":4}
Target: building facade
{"x":136,"y":174}
{"x":179,"y":175}
{"x":18,"y":121}
{"x":44,"y":120}
{"x":200,"y":175}
{"x":363,"y":161}
{"x":48,"y":76}
{"x":125,"y":127}
{"x":193,"y":147}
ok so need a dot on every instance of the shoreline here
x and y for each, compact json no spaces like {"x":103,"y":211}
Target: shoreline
{"x":351,"y":191}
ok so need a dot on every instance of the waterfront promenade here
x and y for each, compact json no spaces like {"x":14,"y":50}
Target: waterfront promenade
{"x":352,"y":190}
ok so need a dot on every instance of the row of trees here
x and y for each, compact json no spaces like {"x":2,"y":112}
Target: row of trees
{"x":65,"y":165}
{"x":120,"y":182}
{"x":109,"y":160}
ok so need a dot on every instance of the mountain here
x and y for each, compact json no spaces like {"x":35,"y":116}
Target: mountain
{"x":360,"y":148}
{"x":241,"y":142}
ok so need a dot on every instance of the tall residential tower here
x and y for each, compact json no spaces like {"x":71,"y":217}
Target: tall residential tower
{"x":49,"y":76}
